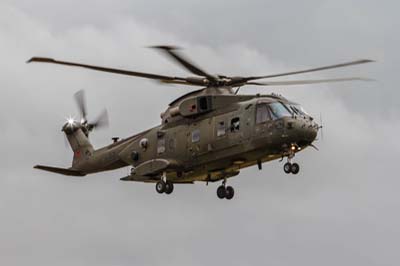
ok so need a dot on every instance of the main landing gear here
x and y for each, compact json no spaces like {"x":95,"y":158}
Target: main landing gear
{"x":225,"y":192}
{"x":164,"y":186}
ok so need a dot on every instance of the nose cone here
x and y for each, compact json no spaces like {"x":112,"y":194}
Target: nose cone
{"x":311,"y":132}
{"x":302,"y":131}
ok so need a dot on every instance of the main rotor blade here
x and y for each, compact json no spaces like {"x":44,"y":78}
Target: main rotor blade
{"x":171,"y":51}
{"x":81,"y":102}
{"x":304,"y":82}
{"x":178,"y":82}
{"x":104,"y":69}
{"x":239,"y":80}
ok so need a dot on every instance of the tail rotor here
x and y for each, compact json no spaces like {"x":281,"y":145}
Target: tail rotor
{"x":101,"y":121}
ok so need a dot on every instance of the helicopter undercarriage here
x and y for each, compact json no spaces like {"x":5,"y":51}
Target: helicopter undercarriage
{"x":167,"y":187}
{"x":163,"y":185}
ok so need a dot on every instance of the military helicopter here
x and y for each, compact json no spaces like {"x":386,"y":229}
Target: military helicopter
{"x":206,"y":135}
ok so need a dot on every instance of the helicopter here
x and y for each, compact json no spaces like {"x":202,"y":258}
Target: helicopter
{"x":207,"y":135}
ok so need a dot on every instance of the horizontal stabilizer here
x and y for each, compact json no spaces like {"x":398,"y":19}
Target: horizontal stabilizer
{"x":58,"y":170}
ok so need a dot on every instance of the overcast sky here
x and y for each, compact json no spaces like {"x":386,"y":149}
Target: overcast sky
{"x":343,"y":207}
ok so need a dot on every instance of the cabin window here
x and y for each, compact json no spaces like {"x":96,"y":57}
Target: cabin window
{"x":262,"y":114}
{"x":221,"y":129}
{"x":204,"y":103}
{"x":196,"y":135}
{"x":235,"y":124}
{"x":161,"y":145}
{"x":171,"y":144}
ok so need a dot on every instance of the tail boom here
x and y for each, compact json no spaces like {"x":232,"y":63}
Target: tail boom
{"x":58,"y":170}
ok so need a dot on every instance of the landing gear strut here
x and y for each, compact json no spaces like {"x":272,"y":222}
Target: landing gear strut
{"x":225,"y":192}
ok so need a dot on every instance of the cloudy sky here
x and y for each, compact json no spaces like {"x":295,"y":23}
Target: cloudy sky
{"x":343,"y":207}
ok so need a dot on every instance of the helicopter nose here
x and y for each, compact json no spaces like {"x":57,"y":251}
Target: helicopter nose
{"x":303,"y":131}
{"x":311,"y":132}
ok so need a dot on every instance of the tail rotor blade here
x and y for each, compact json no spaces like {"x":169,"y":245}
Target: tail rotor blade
{"x":102,"y":121}
{"x":80,"y":101}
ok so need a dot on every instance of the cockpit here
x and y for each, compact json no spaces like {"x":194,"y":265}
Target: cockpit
{"x":297,"y":109}
{"x":277,"y":110}
{"x":271,"y":111}
{"x":285,"y":120}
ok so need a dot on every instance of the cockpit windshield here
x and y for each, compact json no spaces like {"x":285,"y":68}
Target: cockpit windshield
{"x":271,"y":111}
{"x":297,"y":109}
{"x":278,"y":110}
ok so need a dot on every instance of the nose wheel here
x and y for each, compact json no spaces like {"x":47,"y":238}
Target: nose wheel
{"x":291,"y":168}
{"x":225,"y":192}
{"x":287,"y":167}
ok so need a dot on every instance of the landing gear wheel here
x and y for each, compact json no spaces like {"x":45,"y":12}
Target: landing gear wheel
{"x":295,"y":168}
{"x":287,"y":168}
{"x":160,"y":186}
{"x":169,"y":187}
{"x":221,"y":192}
{"x":230,"y":192}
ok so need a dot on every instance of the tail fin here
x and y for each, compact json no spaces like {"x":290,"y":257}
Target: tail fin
{"x":77,"y":137}
{"x":80,"y":145}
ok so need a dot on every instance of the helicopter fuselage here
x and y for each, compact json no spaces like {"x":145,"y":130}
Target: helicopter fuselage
{"x":231,"y":133}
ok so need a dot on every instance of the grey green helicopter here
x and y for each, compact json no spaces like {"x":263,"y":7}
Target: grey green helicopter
{"x":207,"y":135}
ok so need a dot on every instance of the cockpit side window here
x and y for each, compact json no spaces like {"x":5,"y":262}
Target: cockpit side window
{"x":262,"y":113}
